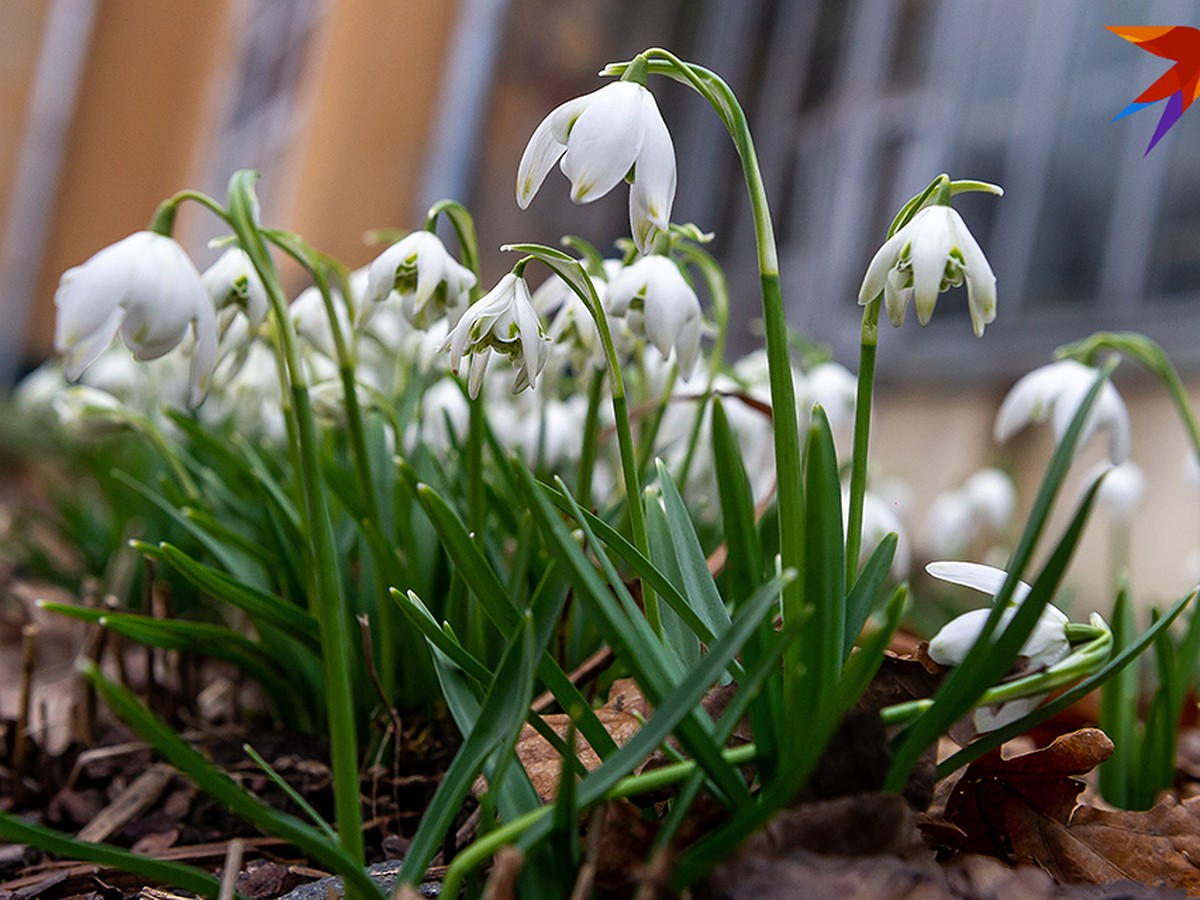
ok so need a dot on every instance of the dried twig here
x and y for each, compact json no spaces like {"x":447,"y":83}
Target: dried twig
{"x":20,"y":758}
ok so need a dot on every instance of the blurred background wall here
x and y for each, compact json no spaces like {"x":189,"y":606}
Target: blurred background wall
{"x":359,"y":113}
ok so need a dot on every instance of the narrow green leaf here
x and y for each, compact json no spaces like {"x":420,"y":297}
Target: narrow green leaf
{"x":224,"y":790}
{"x":744,"y":561}
{"x":627,"y":632}
{"x":675,"y":708}
{"x":824,"y":576}
{"x":19,"y":831}
{"x":499,"y":722}
{"x":478,"y":574}
{"x":258,"y":604}
{"x":698,"y":586}
{"x":1118,"y":710}
{"x":678,"y":640}
{"x":861,"y":598}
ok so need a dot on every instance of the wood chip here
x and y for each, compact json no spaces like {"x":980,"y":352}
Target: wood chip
{"x":142,"y":793}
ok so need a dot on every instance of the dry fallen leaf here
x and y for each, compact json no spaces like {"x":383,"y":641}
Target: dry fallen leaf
{"x":619,"y":716}
{"x":1025,"y":810}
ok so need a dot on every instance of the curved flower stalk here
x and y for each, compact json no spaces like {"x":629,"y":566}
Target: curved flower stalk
{"x":1046,"y":645}
{"x":657,"y":302}
{"x":598,"y":140}
{"x":1054,"y":392}
{"x":146,"y":289}
{"x":502,"y":321}
{"x":431,"y":283}
{"x":931,"y":254}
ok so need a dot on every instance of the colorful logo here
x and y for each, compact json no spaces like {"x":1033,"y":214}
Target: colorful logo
{"x":1179,"y":85}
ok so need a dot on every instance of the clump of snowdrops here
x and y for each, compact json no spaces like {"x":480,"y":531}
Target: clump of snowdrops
{"x":500,"y":481}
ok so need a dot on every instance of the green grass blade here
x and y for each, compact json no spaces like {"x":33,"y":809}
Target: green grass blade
{"x":243,"y":566}
{"x":675,"y":708}
{"x":744,"y":560}
{"x":224,"y":790}
{"x":825,"y":576}
{"x":1118,"y":710}
{"x":861,"y":598}
{"x":627,"y":632}
{"x":292,"y":794}
{"x":500,"y":719}
{"x":478,"y":574}
{"x":625,"y":550}
{"x":19,"y":831}
{"x":678,"y":639}
{"x":256,"y":603}
{"x":698,"y":585}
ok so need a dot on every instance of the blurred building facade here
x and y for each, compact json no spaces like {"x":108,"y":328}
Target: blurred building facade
{"x":361,"y":112}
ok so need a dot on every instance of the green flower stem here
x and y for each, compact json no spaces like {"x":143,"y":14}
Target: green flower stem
{"x":591,"y":440}
{"x":325,"y":582}
{"x":482,"y":848}
{"x":575,"y":276}
{"x":464,"y":228}
{"x":384,"y":561}
{"x":862,"y":436}
{"x":718,"y":291}
{"x":789,"y":485}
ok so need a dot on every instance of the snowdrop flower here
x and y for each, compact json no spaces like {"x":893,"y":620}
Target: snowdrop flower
{"x":573,"y":334}
{"x":89,"y":412}
{"x":145,"y":288}
{"x":444,"y":416}
{"x":668,"y":311}
{"x":835,"y":388}
{"x":1055,"y":392}
{"x":431,"y":283}
{"x":1046,"y":645}
{"x":233,"y":284}
{"x":1122,"y":489}
{"x":601,"y":138}
{"x":880,"y":519}
{"x":981,"y":507}
{"x":932,"y":253}
{"x":505,"y":321}
{"x":311,"y":319}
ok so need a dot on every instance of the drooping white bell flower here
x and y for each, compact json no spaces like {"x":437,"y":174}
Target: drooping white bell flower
{"x":880,"y":518}
{"x":657,"y":301}
{"x":957,"y":519}
{"x":932,"y":253}
{"x":233,"y":284}
{"x":1046,"y":644}
{"x":835,"y":388}
{"x":431,"y":283}
{"x":504,"y":321}
{"x":1055,"y":392}
{"x":1122,"y":490}
{"x":601,"y":138}
{"x":574,"y":336}
{"x":145,"y":288}
{"x":311,"y":318}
